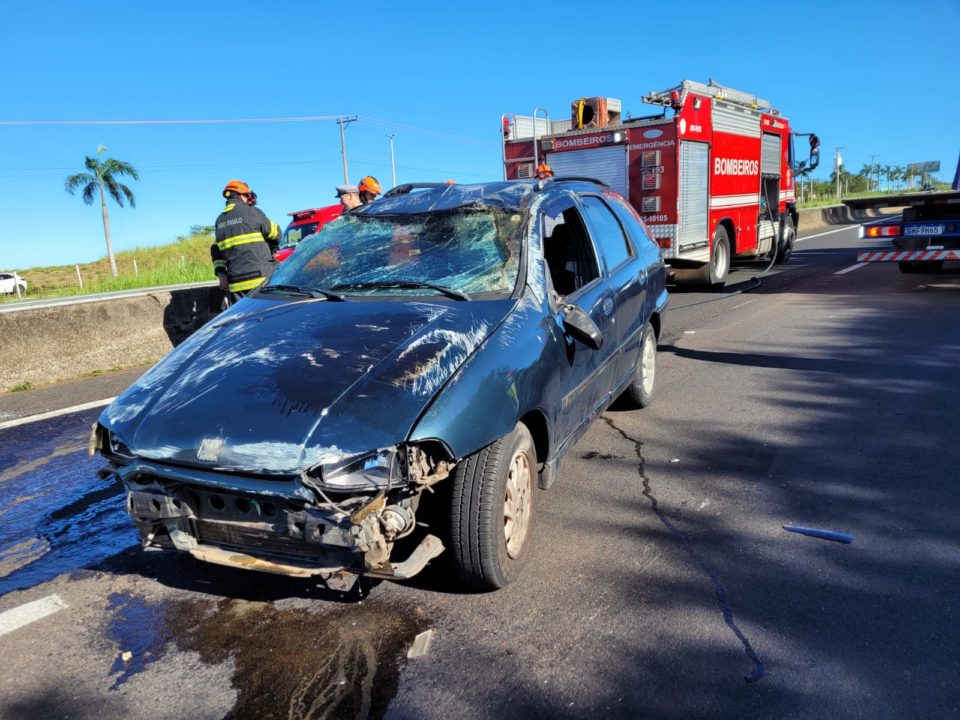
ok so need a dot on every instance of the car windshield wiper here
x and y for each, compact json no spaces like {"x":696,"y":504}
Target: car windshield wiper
{"x":404,"y":285}
{"x":300,"y":290}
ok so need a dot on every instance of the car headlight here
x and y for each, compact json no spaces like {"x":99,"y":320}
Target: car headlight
{"x":116,"y":449}
{"x":370,"y":471}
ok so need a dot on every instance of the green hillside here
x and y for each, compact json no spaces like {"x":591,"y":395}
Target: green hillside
{"x":186,"y":260}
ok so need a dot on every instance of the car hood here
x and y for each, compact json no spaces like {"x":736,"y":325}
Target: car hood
{"x":277,"y":387}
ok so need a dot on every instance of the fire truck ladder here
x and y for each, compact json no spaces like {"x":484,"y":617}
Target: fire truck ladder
{"x":674,"y":96}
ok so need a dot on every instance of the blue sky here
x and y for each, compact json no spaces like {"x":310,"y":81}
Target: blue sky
{"x":878,"y":78}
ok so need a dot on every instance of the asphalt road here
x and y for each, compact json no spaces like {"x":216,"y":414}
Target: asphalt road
{"x":662,"y":583}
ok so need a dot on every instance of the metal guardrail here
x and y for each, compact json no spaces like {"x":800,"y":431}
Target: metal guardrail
{"x":96,"y":297}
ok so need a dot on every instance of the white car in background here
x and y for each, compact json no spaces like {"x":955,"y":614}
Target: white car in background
{"x":9,"y":283}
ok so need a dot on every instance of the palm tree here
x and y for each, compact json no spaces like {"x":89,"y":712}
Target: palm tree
{"x":104,"y":174}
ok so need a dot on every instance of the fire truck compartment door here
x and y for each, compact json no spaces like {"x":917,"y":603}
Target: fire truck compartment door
{"x":606,"y":164}
{"x":694,"y":169}
{"x":770,"y":155}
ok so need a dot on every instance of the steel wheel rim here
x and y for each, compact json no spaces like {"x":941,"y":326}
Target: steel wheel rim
{"x":791,"y":234}
{"x":720,"y":255}
{"x":516,"y":504}
{"x":648,"y":363}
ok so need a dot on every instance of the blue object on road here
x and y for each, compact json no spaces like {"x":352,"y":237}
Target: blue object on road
{"x":822,"y":534}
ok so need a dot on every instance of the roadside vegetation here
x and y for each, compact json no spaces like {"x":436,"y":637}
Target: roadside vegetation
{"x":187,"y":260}
{"x":872,"y":181}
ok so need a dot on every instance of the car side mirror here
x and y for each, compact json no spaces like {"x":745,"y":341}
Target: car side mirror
{"x":581,"y":326}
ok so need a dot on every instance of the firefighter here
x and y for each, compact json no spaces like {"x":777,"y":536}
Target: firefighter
{"x":369,"y":188}
{"x":246,"y":240}
{"x":544,"y":171}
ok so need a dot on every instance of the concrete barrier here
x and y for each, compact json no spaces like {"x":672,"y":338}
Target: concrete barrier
{"x":823,"y":217}
{"x":44,"y":345}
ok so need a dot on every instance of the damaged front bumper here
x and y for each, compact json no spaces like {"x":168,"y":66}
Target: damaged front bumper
{"x":285,"y":526}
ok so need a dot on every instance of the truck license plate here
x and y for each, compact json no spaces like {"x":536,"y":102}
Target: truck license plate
{"x":923,"y":230}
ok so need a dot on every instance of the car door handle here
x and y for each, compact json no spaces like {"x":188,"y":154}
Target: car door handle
{"x":608,"y":306}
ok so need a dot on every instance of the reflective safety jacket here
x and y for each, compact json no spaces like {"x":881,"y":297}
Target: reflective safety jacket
{"x":244,"y":247}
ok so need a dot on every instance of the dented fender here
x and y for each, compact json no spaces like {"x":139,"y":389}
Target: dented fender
{"x":492,"y":391}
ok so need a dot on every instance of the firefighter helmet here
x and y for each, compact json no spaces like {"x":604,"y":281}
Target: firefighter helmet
{"x":544,"y":171}
{"x":369,"y":184}
{"x":236,"y":186}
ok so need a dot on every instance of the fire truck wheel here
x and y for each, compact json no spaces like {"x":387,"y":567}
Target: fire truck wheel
{"x":716,"y":270}
{"x":787,"y":239}
{"x":640,"y":390}
{"x":912,"y":268}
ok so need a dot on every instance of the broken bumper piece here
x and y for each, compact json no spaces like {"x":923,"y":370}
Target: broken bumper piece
{"x":273,"y":526}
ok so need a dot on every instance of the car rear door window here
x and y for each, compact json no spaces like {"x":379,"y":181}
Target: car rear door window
{"x":606,"y":231}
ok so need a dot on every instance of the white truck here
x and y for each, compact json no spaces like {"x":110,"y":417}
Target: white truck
{"x":924,"y":237}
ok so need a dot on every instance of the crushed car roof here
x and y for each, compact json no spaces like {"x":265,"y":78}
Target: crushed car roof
{"x":506,"y":195}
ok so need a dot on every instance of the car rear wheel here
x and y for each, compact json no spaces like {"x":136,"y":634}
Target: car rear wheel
{"x":640,"y":390}
{"x":491,"y":514}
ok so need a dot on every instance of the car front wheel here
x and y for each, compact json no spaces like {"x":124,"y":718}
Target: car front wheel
{"x":491,"y":514}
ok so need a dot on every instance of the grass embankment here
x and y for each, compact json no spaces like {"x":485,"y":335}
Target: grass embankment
{"x":185,"y":261}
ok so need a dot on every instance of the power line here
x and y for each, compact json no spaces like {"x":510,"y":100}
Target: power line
{"x":364,"y":120}
{"x":227,"y":121}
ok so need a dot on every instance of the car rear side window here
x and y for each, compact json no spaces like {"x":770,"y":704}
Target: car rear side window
{"x":631,"y":221}
{"x":606,"y":231}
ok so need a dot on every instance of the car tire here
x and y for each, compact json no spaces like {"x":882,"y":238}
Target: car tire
{"x":640,"y":390}
{"x":491,"y":519}
{"x":787,"y":239}
{"x":714,"y":273}
{"x":911,"y":268}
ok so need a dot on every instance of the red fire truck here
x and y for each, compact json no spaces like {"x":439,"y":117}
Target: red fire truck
{"x":712,"y":174}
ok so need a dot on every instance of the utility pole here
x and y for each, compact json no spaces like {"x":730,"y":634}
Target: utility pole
{"x":838,"y":166}
{"x":872,"y":158}
{"x":343,"y":122}
{"x":393,"y":165}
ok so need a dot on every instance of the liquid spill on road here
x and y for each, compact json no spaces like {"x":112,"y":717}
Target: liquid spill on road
{"x":288,"y":663}
{"x":137,"y":628}
{"x":56,"y":515}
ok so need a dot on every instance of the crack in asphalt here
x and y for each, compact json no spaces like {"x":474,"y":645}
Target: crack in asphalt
{"x":719,"y":591}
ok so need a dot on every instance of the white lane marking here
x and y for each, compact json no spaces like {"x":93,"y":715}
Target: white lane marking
{"x":56,"y":413}
{"x":828,"y":232}
{"x":30,"y":612}
{"x":850,"y":269}
{"x":847,"y":227}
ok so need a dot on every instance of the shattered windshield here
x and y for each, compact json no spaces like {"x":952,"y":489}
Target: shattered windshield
{"x":471,"y":250}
